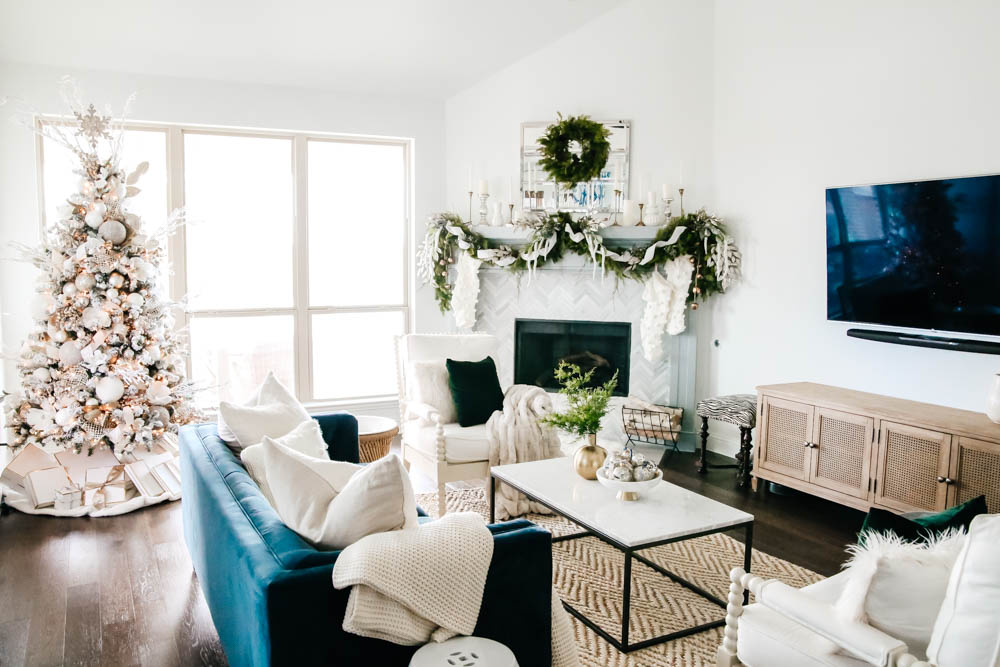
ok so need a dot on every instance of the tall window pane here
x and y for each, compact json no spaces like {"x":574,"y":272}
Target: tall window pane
{"x":353,"y":354}
{"x":238,"y":194}
{"x":230,"y":356}
{"x":357,"y":223}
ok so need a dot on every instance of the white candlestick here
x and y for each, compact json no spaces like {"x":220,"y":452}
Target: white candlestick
{"x":642,"y":189}
{"x":618,"y":173}
{"x":470,"y":180}
{"x":680,"y":176}
{"x":510,"y":189}
{"x":484,"y":187}
{"x":666,"y":191}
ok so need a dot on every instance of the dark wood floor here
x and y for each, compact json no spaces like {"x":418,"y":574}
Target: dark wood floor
{"x":120,"y":590}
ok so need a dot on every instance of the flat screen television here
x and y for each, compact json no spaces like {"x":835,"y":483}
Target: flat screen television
{"x":922,"y":255}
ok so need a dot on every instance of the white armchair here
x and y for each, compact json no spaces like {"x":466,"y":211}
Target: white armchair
{"x":789,"y":627}
{"x":433,"y":442}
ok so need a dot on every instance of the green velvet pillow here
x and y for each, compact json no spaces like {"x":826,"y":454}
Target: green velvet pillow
{"x":475,"y":389}
{"x":917,"y":528}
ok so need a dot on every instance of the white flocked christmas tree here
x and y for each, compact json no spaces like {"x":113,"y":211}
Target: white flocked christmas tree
{"x":103,"y":365}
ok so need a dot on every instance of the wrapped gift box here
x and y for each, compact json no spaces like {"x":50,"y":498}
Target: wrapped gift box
{"x":68,"y":497}
{"x":108,"y":476}
{"x":77,"y":464}
{"x":143,"y":479}
{"x":31,"y":457}
{"x":41,"y":485}
{"x":168,"y":474}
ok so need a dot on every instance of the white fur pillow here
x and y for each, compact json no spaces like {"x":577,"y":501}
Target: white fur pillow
{"x":306,"y":438}
{"x":898,"y":586}
{"x":333,"y":504}
{"x":269,"y":391}
{"x":428,"y":383}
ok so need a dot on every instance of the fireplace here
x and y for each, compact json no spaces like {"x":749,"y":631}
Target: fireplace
{"x":539,"y":346}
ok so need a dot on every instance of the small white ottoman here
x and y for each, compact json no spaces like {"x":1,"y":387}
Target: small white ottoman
{"x":464,"y":652}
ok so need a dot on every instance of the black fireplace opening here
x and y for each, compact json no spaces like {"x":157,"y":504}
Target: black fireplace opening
{"x":539,"y":346}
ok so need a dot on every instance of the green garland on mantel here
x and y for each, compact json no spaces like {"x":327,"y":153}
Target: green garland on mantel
{"x":700,"y":236}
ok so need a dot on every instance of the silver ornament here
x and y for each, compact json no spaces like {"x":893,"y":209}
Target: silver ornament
{"x":622,"y":473}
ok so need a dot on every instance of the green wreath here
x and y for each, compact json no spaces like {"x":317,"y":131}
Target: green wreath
{"x":563,"y":164}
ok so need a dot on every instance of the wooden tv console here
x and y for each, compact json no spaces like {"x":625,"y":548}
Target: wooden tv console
{"x":867,"y":450}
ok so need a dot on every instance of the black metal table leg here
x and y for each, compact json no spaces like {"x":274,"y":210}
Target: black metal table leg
{"x":626,"y":598}
{"x":493,"y":498}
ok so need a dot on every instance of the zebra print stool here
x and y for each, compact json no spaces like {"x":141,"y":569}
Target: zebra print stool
{"x":736,"y":409}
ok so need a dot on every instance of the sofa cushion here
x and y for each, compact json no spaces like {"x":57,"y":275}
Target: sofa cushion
{"x":475,"y":389}
{"x":967,"y":629}
{"x":273,"y":411}
{"x":332,"y":504}
{"x":462,"y":444}
{"x":920,"y":526}
{"x":305,"y":438}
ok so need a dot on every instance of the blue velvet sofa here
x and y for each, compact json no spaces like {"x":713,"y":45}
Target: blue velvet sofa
{"x":271,"y":594}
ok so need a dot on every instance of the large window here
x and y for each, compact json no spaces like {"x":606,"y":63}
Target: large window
{"x":294,"y":257}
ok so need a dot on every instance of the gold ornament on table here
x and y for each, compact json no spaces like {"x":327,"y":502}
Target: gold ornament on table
{"x":587,"y":406}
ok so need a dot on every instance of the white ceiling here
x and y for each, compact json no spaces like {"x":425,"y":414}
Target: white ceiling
{"x":425,"y":47}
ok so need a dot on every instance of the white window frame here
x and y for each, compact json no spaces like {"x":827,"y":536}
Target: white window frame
{"x":300,"y":309}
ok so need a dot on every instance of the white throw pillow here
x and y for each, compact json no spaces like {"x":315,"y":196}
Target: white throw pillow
{"x":269,"y":391}
{"x":306,"y":438}
{"x":333,"y":504}
{"x":898,"y":586}
{"x":428,"y":383}
{"x":967,"y":631}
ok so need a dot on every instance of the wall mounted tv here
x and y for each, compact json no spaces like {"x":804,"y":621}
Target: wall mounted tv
{"x":923,"y":255}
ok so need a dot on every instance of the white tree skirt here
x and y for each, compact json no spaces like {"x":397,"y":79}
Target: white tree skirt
{"x":22,"y":503}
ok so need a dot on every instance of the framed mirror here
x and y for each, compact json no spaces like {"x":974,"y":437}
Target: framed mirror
{"x":540,"y":192}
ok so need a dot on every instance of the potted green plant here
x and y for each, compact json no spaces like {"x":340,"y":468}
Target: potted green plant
{"x":587,"y":407}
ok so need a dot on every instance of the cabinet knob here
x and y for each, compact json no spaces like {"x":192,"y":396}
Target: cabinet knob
{"x":949,"y":480}
{"x":940,"y":479}
{"x":807,"y":444}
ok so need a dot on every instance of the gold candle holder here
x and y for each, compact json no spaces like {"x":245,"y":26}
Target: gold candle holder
{"x":470,"y":207}
{"x":614,"y":219}
{"x":680,"y":191}
{"x":640,"y":223}
{"x":510,"y":217}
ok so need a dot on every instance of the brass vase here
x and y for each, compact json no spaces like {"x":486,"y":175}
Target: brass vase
{"x":589,"y":458}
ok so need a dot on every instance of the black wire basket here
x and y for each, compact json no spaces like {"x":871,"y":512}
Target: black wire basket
{"x":653,"y":427}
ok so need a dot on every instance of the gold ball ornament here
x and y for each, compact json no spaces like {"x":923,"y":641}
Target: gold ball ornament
{"x":589,"y":458}
{"x":694,"y":306}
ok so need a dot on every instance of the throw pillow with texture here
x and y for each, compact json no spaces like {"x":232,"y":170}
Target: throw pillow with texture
{"x":898,"y":586}
{"x":967,"y":630}
{"x":924,"y":525}
{"x":428,"y":383}
{"x":306,"y":438}
{"x":269,"y":391}
{"x":332,"y":504}
{"x":475,"y":389}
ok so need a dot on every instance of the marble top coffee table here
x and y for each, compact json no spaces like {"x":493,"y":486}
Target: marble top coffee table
{"x":667,"y":513}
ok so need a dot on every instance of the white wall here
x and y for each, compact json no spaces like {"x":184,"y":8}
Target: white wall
{"x":649,"y":61}
{"x":810,"y":95}
{"x":197,"y":102}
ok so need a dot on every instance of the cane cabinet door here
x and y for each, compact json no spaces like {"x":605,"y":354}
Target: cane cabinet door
{"x":975,"y":471}
{"x":841,"y":451}
{"x":912,"y":468}
{"x":787,"y":427}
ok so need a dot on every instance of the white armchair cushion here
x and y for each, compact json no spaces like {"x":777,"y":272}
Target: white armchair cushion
{"x":967,"y":630}
{"x":462,"y":444}
{"x":428,"y":384}
{"x":333,"y":504}
{"x":898,"y":586}
{"x":461,"y":347}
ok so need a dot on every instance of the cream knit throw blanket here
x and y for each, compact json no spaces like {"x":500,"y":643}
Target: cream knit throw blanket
{"x":515,"y":436}
{"x":406,"y":589}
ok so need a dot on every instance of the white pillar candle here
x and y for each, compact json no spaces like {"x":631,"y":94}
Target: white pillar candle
{"x":666,"y":191}
{"x":484,"y":187}
{"x":630,"y":215}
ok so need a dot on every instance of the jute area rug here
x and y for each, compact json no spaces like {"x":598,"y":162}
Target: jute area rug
{"x":587,"y":573}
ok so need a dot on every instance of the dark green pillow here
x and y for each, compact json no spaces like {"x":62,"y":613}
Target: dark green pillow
{"x":919,"y":528}
{"x":475,"y":389}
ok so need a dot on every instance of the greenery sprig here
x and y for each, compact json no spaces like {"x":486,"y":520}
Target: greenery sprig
{"x":566,"y":165}
{"x":587,"y":405}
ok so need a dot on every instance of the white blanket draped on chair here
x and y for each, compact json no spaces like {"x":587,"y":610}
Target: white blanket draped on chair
{"x":515,"y":436}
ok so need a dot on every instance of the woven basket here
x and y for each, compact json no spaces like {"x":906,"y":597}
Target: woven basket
{"x":376,"y":445}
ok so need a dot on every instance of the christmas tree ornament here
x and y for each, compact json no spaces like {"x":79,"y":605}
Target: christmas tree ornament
{"x":84,"y":281}
{"x":112,"y":231}
{"x":69,"y":353}
{"x":110,"y":389}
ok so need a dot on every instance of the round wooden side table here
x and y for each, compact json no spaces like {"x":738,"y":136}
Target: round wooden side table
{"x":375,"y":434}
